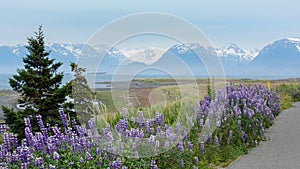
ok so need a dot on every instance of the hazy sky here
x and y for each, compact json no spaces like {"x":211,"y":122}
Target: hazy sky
{"x":249,"y":24}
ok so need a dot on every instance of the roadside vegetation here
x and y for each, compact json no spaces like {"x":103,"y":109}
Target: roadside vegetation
{"x":289,"y":93}
{"x":206,"y":129}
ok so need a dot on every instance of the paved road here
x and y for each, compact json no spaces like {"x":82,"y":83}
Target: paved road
{"x":283,"y":151}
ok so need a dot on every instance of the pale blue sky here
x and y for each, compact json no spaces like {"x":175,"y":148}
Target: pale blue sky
{"x":249,"y":24}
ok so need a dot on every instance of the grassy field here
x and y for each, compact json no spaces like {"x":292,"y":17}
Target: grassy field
{"x":167,"y":91}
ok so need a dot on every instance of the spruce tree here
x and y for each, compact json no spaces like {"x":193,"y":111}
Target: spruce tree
{"x":39,"y":83}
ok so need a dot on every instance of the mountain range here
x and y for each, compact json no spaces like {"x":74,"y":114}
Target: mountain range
{"x":281,"y":58}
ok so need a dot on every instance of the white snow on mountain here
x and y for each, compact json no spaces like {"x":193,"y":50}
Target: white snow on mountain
{"x":111,"y":52}
{"x":147,"y":56}
{"x":16,"y":51}
{"x":295,"y":41}
{"x":184,"y":48}
{"x":65,"y":49}
{"x":232,"y":50}
{"x":74,"y":48}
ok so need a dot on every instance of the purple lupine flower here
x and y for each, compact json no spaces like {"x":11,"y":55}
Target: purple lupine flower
{"x":180,"y":146}
{"x":92,"y":124}
{"x":250,"y":114}
{"x":201,"y":147}
{"x":14,"y":157}
{"x":125,"y":124}
{"x":8,"y":158}
{"x":167,"y":143}
{"x":141,"y":134}
{"x":190,"y":146}
{"x":153,"y":164}
{"x":39,"y":161}
{"x":218,"y":123}
{"x":24,"y":165}
{"x":88,"y":156}
{"x":196,"y":160}
{"x":98,"y":151}
{"x":100,"y":164}
{"x":3,"y":128}
{"x":27,"y":122}
{"x":244,"y":102}
{"x":117,"y":164}
{"x":151,"y":140}
{"x":181,"y":163}
{"x":239,"y":124}
{"x":55,"y":155}
{"x":40,"y":121}
{"x":158,"y":130}
{"x":24,"y":154}
{"x":63,"y":118}
{"x":70,"y":164}
{"x":28,"y":135}
{"x":158,"y":119}
{"x":81,"y":160}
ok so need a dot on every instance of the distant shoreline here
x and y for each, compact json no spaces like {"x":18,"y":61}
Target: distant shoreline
{"x":102,"y":83}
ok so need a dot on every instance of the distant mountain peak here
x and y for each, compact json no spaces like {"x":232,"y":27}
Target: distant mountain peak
{"x":231,"y":48}
{"x":147,"y":56}
{"x":282,"y":54}
{"x":185,"y":47}
{"x":293,"y":43}
{"x":236,"y":53}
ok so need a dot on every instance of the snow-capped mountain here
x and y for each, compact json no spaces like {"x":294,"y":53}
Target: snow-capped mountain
{"x":279,"y":57}
{"x":11,"y":56}
{"x":185,"y":59}
{"x":185,"y":48}
{"x":235,"y":53}
{"x":65,"y":49}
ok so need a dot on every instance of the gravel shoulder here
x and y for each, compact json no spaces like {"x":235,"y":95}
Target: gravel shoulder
{"x":282,"y":151}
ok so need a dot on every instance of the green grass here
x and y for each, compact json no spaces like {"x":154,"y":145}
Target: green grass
{"x":106,"y":98}
{"x":289,"y":93}
{"x":285,"y":101}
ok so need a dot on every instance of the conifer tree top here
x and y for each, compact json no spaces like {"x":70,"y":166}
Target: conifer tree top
{"x":39,"y":82}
